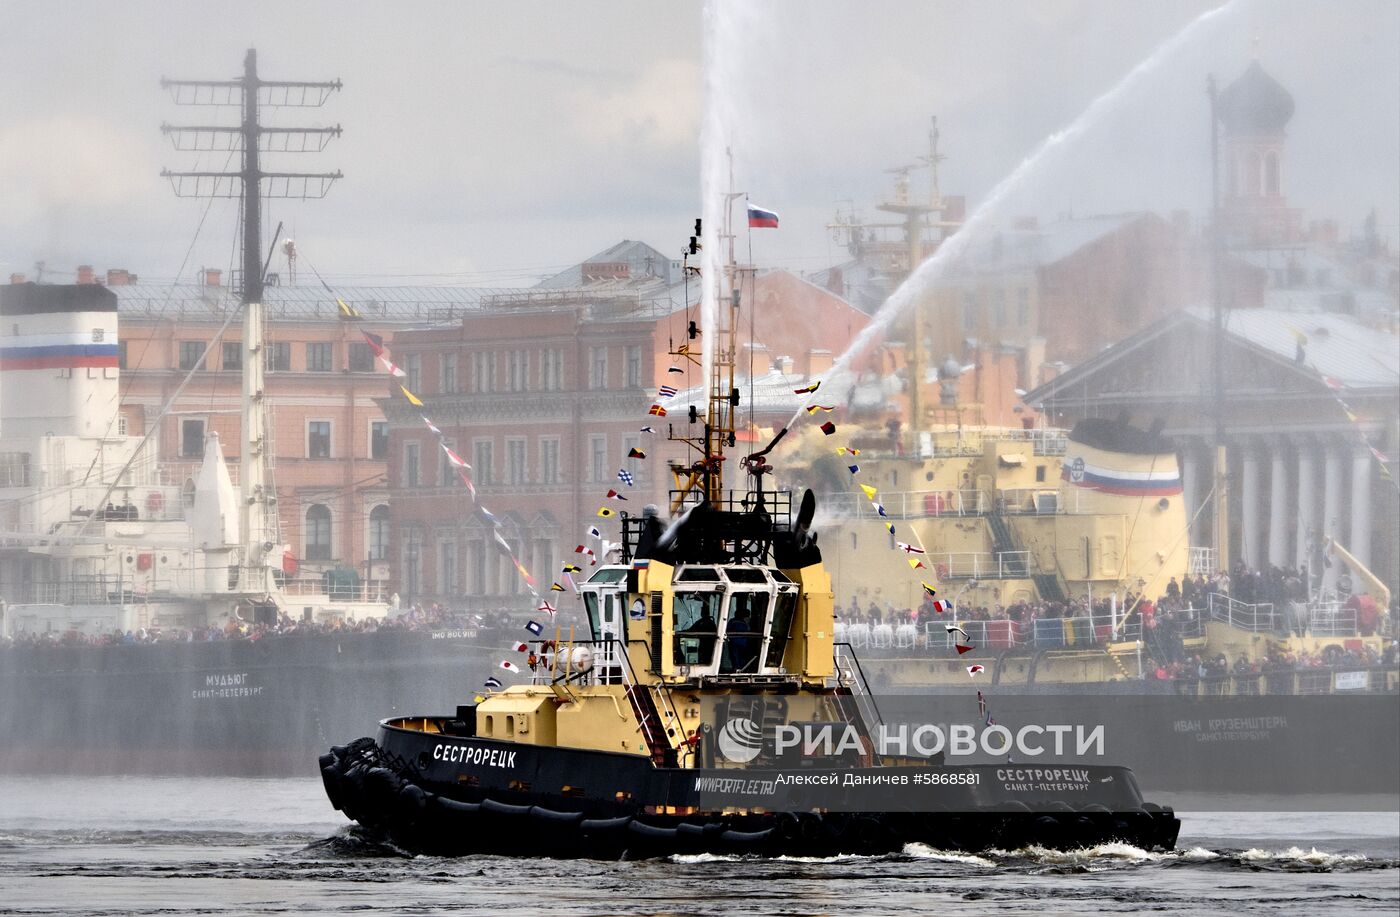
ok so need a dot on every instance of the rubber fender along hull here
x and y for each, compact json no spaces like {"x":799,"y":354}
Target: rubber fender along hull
{"x":381,"y":791}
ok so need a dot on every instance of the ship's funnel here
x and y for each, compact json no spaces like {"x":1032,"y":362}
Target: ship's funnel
{"x":1123,"y":518}
{"x":214,"y":519}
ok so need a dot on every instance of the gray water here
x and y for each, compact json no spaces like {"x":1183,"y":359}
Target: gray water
{"x":180,"y":846}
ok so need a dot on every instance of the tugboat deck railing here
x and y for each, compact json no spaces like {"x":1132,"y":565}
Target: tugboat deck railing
{"x":851,"y":676}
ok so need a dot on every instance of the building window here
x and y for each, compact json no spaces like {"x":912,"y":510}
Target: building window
{"x":411,"y":460}
{"x":318,"y":439}
{"x":1023,"y":307}
{"x":447,"y":373}
{"x":318,"y":357}
{"x":598,"y":368}
{"x":551,"y":369}
{"x":121,"y":425}
{"x":360,"y":359}
{"x":279,"y":356}
{"x":318,"y":533}
{"x":379,"y":439}
{"x":476,"y":568}
{"x":447,"y":568}
{"x":121,"y":354}
{"x":447,"y":472}
{"x":519,"y":365}
{"x":379,"y":533}
{"x":970,"y":311}
{"x":598,"y":447}
{"x":413,"y":562}
{"x":999,"y":309}
{"x":192,"y":438}
{"x":413,"y":370}
{"x":191,"y":355}
{"x":481,"y":461}
{"x":634,"y":366}
{"x":233,"y":357}
{"x":549,"y":461}
{"x":483,"y":372}
{"x":1040,"y":474}
{"x":516,"y":468}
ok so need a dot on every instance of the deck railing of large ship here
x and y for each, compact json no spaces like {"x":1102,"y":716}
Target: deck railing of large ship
{"x":968,"y":443}
{"x":923,"y":504}
{"x":1338,"y":679}
{"x":1257,"y":618}
{"x":1003,"y":634}
{"x":185,"y":582}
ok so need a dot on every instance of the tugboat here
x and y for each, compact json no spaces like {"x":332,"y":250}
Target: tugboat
{"x":709,"y":710}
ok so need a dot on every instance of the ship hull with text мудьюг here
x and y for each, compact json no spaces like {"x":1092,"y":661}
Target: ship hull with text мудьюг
{"x":709,"y":709}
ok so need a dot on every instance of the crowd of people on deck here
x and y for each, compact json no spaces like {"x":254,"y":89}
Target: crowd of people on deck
{"x":1214,"y":672}
{"x":415,"y":617}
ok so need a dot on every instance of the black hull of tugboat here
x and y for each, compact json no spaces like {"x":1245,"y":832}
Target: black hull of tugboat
{"x":444,"y":795}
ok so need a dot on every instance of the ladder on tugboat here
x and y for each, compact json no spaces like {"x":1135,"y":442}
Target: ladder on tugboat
{"x":652,"y":727}
{"x":853,"y":693}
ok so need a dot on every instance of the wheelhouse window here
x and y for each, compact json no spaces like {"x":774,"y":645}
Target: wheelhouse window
{"x":695,"y":621}
{"x":780,"y":629}
{"x":743,"y":632}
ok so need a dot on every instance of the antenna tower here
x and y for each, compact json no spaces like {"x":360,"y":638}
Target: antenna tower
{"x":251,"y":93}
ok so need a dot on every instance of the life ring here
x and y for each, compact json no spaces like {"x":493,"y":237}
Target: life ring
{"x":155,"y":501}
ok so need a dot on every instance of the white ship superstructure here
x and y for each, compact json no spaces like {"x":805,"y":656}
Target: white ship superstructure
{"x":95,"y":534}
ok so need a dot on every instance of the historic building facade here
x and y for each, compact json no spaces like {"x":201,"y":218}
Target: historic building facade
{"x":544,"y":391}
{"x":328,"y":434}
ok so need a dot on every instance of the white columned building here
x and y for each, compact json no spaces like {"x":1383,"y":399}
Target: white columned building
{"x":1250,"y":509}
{"x":1360,"y":543}
{"x":1279,"y":523}
{"x":1307,"y":501}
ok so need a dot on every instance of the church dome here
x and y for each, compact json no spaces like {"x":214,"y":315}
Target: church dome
{"x":1256,"y":103}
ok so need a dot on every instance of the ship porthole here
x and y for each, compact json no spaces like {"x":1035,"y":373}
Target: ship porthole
{"x":423,"y":759}
{"x":1163,"y":503}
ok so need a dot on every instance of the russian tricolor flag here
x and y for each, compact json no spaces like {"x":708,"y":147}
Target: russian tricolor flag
{"x":762,"y":219}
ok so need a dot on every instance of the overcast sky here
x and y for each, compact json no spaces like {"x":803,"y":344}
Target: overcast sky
{"x":491,"y":143}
